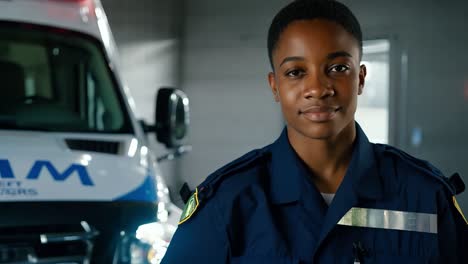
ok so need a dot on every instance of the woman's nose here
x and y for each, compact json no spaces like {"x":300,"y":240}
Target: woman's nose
{"x":317,"y":87}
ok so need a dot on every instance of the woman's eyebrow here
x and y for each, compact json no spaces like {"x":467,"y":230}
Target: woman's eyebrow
{"x":330,"y":56}
{"x":337,"y":54}
{"x":294,"y":58}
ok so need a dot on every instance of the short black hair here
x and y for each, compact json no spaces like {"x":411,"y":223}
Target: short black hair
{"x":312,"y":9}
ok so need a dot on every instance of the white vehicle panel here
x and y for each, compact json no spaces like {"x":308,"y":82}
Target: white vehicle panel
{"x":73,"y":15}
{"x":36,"y":166}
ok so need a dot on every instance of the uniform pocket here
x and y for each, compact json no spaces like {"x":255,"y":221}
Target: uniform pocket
{"x":263,"y":260}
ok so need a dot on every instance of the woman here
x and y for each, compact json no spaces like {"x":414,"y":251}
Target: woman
{"x":322,"y":193}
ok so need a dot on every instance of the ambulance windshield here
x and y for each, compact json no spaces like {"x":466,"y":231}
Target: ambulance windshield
{"x":52,"y":80}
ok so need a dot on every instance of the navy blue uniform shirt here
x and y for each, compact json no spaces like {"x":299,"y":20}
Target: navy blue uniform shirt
{"x":264,"y":208}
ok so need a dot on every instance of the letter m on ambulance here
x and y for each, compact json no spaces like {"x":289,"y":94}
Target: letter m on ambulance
{"x":7,"y":172}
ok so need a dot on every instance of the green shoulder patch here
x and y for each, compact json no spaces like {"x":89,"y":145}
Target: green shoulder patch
{"x":459,"y":209}
{"x":190,"y":207}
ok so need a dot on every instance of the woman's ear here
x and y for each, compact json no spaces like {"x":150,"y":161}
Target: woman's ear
{"x":362,"y":78}
{"x":272,"y":82}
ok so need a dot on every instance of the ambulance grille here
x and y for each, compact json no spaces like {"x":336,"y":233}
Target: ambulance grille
{"x":109,"y":147}
{"x":71,"y":244}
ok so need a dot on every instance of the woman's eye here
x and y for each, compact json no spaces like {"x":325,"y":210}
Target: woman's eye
{"x":339,"y":68}
{"x":294,"y":73}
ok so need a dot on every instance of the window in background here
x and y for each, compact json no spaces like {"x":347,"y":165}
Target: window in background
{"x":372,"y":110}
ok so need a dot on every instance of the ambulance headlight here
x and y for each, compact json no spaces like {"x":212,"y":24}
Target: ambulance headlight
{"x":147,"y":246}
{"x":139,"y":252}
{"x":154,"y":234}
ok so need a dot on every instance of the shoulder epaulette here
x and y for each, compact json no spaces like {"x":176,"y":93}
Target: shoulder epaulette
{"x":194,"y":199}
{"x":457,"y":183}
{"x":238,"y":165}
{"x":216,"y":177}
{"x":185,"y":192}
{"x":421,"y":165}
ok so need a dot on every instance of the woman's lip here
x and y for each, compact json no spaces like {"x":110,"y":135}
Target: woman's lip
{"x":320,"y":113}
{"x":320,"y":109}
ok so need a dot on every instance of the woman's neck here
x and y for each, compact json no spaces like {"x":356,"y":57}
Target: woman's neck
{"x":328,"y":159}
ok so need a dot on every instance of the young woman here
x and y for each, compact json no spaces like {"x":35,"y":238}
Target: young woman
{"x":322,"y":193}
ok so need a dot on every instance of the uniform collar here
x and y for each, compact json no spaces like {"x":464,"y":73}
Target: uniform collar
{"x":361,"y":182}
{"x":363,"y":170}
{"x":287,"y":169}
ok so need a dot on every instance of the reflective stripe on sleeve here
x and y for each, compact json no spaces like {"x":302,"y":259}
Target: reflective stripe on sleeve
{"x":390,"y":219}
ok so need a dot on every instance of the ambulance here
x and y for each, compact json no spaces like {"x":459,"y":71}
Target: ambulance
{"x":78,"y":180}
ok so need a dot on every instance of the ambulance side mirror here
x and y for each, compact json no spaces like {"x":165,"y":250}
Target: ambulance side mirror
{"x":172,"y":117}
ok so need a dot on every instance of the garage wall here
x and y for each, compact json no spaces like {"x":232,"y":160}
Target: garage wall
{"x":224,"y":66}
{"x":147,"y":33}
{"x":224,"y":73}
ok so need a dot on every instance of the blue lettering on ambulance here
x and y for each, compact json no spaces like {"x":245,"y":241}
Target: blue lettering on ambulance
{"x":5,"y":170}
{"x":7,"y":173}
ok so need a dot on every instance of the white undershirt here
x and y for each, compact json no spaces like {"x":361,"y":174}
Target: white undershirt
{"x":328,"y":197}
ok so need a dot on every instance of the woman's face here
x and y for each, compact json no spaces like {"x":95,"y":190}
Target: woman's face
{"x":317,"y":77}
